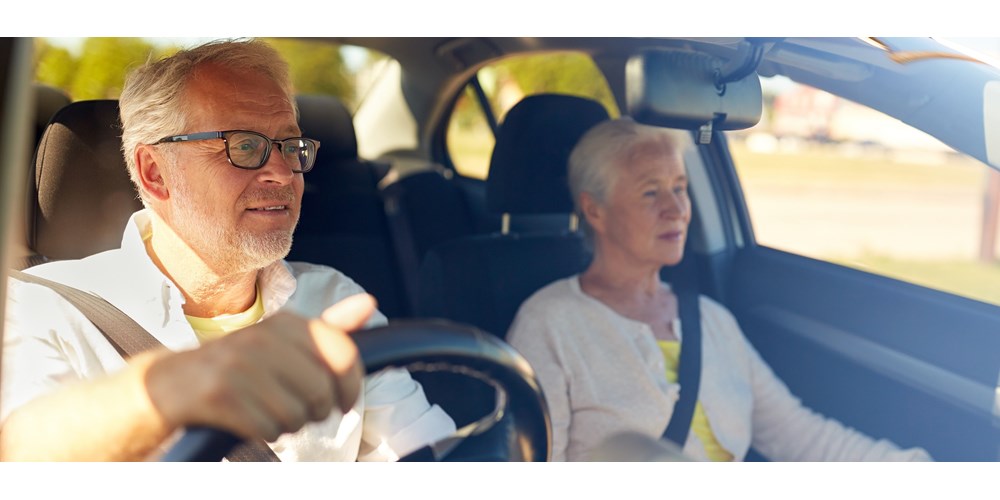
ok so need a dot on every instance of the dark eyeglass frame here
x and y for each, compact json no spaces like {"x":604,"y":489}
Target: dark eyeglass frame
{"x":225,"y":134}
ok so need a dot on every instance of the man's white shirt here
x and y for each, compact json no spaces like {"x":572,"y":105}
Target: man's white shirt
{"x":49,"y":343}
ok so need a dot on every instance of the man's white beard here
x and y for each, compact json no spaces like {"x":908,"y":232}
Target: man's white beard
{"x":224,"y":248}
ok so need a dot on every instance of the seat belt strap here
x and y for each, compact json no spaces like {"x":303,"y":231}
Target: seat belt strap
{"x":129,"y":339}
{"x":29,"y":261}
{"x":689,"y":371}
{"x":125,"y":335}
{"x":402,"y":240}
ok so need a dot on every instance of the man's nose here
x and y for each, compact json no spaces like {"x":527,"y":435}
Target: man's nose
{"x":276,"y":169}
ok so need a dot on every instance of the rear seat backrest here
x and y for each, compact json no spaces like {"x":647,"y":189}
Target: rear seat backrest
{"x":343,"y":223}
{"x":426,"y":208}
{"x":434,"y":206}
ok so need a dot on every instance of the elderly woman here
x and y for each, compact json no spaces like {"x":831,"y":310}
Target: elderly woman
{"x":605,"y":343}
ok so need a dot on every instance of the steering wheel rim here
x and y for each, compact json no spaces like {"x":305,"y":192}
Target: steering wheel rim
{"x":411,"y":343}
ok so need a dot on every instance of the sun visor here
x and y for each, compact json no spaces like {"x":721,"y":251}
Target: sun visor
{"x":679,"y":89}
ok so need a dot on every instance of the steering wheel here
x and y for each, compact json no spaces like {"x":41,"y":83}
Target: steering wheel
{"x":432,"y":345}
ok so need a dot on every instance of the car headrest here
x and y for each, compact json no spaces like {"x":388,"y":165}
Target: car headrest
{"x":529,"y":164}
{"x":326,"y":119}
{"x":48,"y":100}
{"x":82,"y":197}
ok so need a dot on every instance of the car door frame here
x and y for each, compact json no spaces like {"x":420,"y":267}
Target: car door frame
{"x":895,"y":360}
{"x":15,"y":124}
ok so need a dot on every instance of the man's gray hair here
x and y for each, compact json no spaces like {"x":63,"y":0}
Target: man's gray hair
{"x":153,"y":99}
{"x":594,"y":162}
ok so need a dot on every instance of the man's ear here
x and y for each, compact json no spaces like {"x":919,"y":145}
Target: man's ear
{"x":150,"y":165}
{"x":593,"y":211}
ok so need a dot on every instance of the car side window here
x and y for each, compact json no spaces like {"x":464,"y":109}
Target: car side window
{"x":833,"y":180}
{"x":469,"y":138}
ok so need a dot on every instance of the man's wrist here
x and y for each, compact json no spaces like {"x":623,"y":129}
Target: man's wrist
{"x":147,"y":408}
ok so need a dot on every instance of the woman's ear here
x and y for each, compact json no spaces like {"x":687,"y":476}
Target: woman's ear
{"x":149,"y":163}
{"x":593,"y":211}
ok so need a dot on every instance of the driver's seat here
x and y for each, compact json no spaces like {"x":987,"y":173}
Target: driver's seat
{"x":80,"y":195}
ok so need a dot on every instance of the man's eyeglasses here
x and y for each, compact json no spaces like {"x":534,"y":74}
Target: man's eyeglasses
{"x":250,"y":150}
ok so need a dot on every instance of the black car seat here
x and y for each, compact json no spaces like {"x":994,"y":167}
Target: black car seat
{"x":81,"y":197}
{"x":343,"y":223}
{"x":483,"y":279}
{"x":428,"y":207}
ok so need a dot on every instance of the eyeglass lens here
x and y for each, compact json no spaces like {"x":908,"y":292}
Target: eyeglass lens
{"x":248,"y":150}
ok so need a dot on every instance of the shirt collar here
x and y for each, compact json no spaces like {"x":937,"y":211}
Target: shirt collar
{"x":277,"y":284}
{"x":276,"y":281}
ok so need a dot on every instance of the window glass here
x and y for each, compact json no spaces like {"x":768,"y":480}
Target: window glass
{"x":830,"y":179}
{"x":470,"y":140}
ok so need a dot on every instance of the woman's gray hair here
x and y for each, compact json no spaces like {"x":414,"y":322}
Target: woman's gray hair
{"x":593,"y":162}
{"x":152,"y":102}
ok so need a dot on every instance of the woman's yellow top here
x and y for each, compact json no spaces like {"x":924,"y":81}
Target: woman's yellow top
{"x":699,"y":422}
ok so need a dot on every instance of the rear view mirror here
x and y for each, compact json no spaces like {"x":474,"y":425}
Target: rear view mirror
{"x":689,"y":90}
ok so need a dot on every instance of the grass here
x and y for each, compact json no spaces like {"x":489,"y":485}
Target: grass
{"x":871,"y":177}
{"x":968,"y":278}
{"x":837,"y":165}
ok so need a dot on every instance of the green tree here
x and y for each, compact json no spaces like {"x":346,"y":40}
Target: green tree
{"x":316,"y":68}
{"x":103,"y":64}
{"x":561,"y":73}
{"x":99,"y":70}
{"x":54,"y":66}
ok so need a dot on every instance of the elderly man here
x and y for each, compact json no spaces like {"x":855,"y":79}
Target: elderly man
{"x":212,"y":144}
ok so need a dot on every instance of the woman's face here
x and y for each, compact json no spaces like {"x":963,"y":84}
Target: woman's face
{"x":645,"y":217}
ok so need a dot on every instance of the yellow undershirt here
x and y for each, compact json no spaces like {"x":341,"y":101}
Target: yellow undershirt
{"x":212,"y":328}
{"x":699,"y":422}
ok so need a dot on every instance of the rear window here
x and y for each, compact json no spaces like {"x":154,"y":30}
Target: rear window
{"x":470,"y":139}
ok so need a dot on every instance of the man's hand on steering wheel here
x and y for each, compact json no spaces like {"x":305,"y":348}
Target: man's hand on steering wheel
{"x":267,"y":379}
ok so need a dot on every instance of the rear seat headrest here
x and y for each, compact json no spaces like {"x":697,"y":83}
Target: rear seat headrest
{"x":326,"y":119}
{"x":83,"y":196}
{"x":529,"y":164}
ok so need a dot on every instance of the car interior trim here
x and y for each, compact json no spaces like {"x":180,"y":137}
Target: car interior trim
{"x":960,"y":391}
